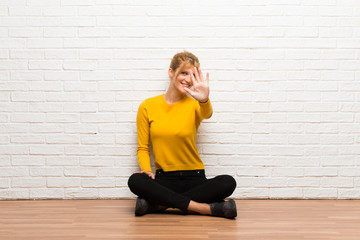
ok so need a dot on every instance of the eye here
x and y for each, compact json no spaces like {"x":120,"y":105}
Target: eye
{"x":184,"y":73}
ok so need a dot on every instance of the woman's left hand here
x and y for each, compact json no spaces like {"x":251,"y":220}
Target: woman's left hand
{"x":201,"y":86}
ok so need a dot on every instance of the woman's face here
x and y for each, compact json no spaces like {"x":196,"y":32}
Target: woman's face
{"x":183,"y":79}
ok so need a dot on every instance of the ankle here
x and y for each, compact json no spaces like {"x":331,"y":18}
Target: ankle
{"x":201,"y":208}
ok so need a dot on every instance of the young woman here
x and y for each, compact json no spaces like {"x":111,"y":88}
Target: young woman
{"x":170,"y":121}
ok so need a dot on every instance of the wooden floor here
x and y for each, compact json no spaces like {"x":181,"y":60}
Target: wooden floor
{"x":114,"y":219}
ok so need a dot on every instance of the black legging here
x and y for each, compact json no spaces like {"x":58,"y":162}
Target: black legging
{"x":176,"y":189}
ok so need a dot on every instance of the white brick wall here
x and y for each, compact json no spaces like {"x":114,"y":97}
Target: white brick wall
{"x":284,"y":85}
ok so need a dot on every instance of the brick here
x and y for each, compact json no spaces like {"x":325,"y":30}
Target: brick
{"x":12,"y":21}
{"x":97,"y":139}
{"x":337,"y":182}
{"x":13,"y":86}
{"x":115,"y":172}
{"x":285,"y":193}
{"x":28,"y":182}
{"x":80,"y":172}
{"x":81,"y":87}
{"x":27,"y":139}
{"x":79,"y":65}
{"x":268,"y":182}
{"x":62,"y":97}
{"x":335,"y":11}
{"x":62,"y":139}
{"x":302,"y":54}
{"x":46,"y":172}
{"x":333,"y":32}
{"x":81,"y":193}
{"x":320,"y":65}
{"x":43,"y":3}
{"x":44,"y":193}
{"x":98,"y":183}
{"x":27,"y":160}
{"x":60,"y":11}
{"x":43,"y":22}
{"x":79,"y":43}
{"x":4,"y":183}
{"x":59,"y":32}
{"x":43,"y":43}
{"x":79,"y":21}
{"x":96,"y":161}
{"x":13,"y":65}
{"x":60,"y":75}
{"x":77,"y":2}
{"x":287,"y":151}
{"x":254,"y":172}
{"x":338,"y":54}
{"x":117,"y":151}
{"x":80,"y":107}
{"x":95,"y":10}
{"x":46,"y":150}
{"x":321,"y":151}
{"x":62,"y":118}
{"x":348,"y":194}
{"x":45,"y":107}
{"x":287,"y":128}
{"x":62,"y":161}
{"x":27,"y":118}
{"x":18,"y":193}
{"x":27,"y":54}
{"x":251,"y":193}
{"x":95,"y":32}
{"x":30,"y":32}
{"x":303,"y":182}
{"x":4,"y":75}
{"x":320,"y":172}
{"x":5,"y":161}
{"x":320,"y":193}
{"x":4,"y":11}
{"x":304,"y":139}
{"x":61,"y":182}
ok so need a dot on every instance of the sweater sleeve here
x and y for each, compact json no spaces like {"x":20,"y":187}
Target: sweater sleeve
{"x":143,"y":134}
{"x":204,"y":110}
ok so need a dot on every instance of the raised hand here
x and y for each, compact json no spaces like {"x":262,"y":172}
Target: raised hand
{"x":200,"y":86}
{"x":150,"y":174}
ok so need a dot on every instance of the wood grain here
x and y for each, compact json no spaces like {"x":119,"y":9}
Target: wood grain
{"x":114,"y":219}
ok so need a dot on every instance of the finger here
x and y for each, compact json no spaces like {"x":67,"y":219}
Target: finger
{"x":192,"y":78}
{"x":150,"y":175}
{"x":201,"y":75}
{"x":197,"y":77}
{"x":207,"y":78}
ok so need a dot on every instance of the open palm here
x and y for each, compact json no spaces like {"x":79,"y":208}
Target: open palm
{"x":200,"y":86}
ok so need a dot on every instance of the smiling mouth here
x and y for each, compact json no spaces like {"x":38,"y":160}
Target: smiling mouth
{"x":185,"y":85}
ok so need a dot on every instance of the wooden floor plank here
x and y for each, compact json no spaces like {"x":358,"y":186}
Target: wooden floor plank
{"x":114,"y":219}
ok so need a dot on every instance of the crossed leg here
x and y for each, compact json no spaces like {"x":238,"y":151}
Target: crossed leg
{"x":160,"y":192}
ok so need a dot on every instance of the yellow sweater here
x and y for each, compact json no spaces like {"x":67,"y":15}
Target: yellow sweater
{"x":172,"y":130}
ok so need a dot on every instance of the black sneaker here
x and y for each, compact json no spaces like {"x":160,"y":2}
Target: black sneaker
{"x":226,"y":209}
{"x":143,"y":207}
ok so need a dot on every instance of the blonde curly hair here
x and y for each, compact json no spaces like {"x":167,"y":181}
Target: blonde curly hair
{"x":183,"y":60}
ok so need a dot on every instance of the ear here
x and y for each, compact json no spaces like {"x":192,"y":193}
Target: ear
{"x":171,"y":73}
